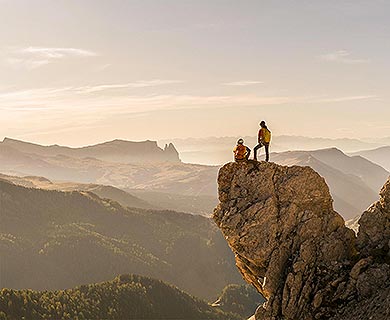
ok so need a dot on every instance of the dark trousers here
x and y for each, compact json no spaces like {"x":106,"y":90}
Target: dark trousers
{"x":266,"y":146}
{"x":248,"y":153}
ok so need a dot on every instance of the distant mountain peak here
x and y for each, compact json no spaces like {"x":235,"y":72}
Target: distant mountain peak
{"x":122,"y":141}
{"x":7,"y":140}
{"x":330,"y":149}
{"x":170,"y":148}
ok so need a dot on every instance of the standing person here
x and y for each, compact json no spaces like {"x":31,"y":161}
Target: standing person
{"x":240,"y":151}
{"x":264,"y":139}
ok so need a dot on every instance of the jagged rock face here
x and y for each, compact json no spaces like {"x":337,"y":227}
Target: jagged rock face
{"x":171,"y":153}
{"x":374,"y":227}
{"x":289,"y":242}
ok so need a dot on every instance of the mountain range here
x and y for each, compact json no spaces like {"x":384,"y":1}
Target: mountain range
{"x":354,"y":181}
{"x":121,"y":151}
{"x":218,"y":150}
{"x":162,"y":176}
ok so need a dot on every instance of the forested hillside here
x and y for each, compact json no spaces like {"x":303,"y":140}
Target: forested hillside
{"x":240,"y":299}
{"x":56,"y":240}
{"x":126,"y":297}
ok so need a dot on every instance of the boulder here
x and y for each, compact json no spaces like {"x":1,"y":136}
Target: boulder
{"x":294,"y":248}
{"x":374,"y":227}
{"x":288,"y":241}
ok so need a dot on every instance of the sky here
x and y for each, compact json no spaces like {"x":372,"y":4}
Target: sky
{"x":80,"y":72}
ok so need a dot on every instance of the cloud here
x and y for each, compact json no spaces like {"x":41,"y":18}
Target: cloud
{"x":103,"y":67}
{"x":35,"y":57}
{"x":349,"y":98}
{"x":242,"y":83}
{"x":23,"y":63}
{"x":57,"y":53}
{"x":342,"y":56}
{"x":58,"y":102}
{"x":45,"y":109}
{"x":83,"y":100}
{"x":136,"y":84}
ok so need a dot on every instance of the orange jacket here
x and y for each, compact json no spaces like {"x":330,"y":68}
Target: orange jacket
{"x":240,"y":152}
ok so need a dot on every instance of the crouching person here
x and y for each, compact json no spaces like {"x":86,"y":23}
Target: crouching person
{"x":241,"y":152}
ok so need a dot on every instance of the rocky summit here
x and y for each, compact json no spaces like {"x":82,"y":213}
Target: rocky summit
{"x":295,"y":249}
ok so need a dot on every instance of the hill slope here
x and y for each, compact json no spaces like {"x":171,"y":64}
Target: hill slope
{"x":195,"y":204}
{"x":109,"y":192}
{"x":56,"y":240}
{"x":126,"y":297}
{"x":371,"y":174}
{"x":349,"y":178}
{"x":239,"y":299}
{"x":380,"y":156}
{"x":180,"y":178}
{"x":136,"y":198}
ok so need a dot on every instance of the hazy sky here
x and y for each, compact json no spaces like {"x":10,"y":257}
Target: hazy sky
{"x":77,"y":72}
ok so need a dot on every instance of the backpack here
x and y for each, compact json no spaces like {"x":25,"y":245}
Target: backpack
{"x":266,"y":135}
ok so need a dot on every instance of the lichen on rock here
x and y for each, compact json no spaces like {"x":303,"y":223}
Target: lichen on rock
{"x":288,"y":241}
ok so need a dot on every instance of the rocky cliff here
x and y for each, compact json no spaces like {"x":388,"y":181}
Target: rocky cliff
{"x":293,"y":247}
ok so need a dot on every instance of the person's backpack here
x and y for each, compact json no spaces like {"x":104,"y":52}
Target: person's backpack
{"x":266,"y":135}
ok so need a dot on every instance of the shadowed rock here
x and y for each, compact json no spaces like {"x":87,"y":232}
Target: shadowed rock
{"x":290,"y":243}
{"x":374,"y":226}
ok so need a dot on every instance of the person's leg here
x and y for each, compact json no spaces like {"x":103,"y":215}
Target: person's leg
{"x":255,"y":151}
{"x":248,"y":153}
{"x":266,"y":146}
